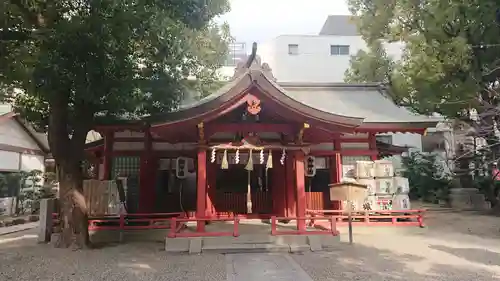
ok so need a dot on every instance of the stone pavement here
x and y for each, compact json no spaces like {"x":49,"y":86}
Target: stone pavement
{"x":17,"y":228}
{"x":272,"y":267}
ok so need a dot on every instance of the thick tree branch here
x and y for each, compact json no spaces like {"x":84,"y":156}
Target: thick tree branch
{"x":36,"y":19}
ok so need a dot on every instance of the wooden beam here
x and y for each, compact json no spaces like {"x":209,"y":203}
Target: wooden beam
{"x":213,"y":128}
{"x":353,"y":140}
{"x":372,"y":145}
{"x":346,"y":152}
{"x":420,"y":131}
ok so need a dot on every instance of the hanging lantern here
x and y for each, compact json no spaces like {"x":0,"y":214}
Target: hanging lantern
{"x":310,"y":166}
{"x":249,"y":166}
{"x":212,"y":158}
{"x":269,"y":164}
{"x":237,"y":157}
{"x":181,"y":167}
{"x":261,"y":157}
{"x":283,"y":155}
{"x":225,"y":163}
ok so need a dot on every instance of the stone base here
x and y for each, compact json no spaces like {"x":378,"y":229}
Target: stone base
{"x":251,"y":243}
{"x":468,"y":199}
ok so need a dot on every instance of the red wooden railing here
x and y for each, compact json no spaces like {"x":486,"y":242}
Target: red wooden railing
{"x":373,"y":217}
{"x":133,"y":221}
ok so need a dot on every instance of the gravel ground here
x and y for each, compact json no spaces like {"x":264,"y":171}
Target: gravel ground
{"x":454,"y":247}
{"x":25,"y":260}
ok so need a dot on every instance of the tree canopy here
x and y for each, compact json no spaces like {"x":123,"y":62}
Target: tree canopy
{"x":450,"y":62}
{"x":450,"y":54}
{"x":67,"y":65}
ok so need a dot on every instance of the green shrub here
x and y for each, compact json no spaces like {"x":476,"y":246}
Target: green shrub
{"x":426,"y":177}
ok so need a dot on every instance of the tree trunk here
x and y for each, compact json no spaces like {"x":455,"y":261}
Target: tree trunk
{"x":74,"y":213}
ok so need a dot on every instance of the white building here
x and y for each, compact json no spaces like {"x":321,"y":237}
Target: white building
{"x":322,"y":58}
{"x":21,"y":148}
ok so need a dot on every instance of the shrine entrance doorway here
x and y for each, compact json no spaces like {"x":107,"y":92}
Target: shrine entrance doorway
{"x":232,"y":185}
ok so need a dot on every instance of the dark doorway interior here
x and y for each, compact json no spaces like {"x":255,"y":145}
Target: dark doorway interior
{"x":235,"y":179}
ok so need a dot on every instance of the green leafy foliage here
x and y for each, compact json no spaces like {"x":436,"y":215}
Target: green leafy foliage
{"x":109,"y":58}
{"x":78,"y":63}
{"x":69,"y":65}
{"x":27,"y":188}
{"x":450,"y":54}
{"x":426,"y":177}
{"x":371,"y":66}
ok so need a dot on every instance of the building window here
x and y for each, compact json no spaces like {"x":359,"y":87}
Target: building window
{"x":385,"y":139}
{"x":293,"y":49}
{"x":339,"y":50}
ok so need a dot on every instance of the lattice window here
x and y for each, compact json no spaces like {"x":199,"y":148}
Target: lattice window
{"x":351,"y":160}
{"x":125,"y":166}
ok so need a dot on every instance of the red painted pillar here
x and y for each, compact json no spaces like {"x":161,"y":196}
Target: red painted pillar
{"x":278,"y":187}
{"x":147,"y":191}
{"x":372,"y":145}
{"x":301,"y":189}
{"x":108,"y":157}
{"x":290,"y":185}
{"x":336,"y":163}
{"x":211,"y":191}
{"x":201,"y":189}
{"x":338,"y":167}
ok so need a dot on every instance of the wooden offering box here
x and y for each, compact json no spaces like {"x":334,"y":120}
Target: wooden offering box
{"x":348,"y":191}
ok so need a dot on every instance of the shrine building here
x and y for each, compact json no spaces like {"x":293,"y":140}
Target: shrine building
{"x":247,"y":149}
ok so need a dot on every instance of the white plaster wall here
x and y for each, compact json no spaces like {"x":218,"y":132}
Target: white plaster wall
{"x":11,"y":133}
{"x":9,"y":161}
{"x":314,"y":62}
{"x":32,"y":162}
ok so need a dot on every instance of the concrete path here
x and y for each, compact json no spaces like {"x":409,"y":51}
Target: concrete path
{"x":265,"y":267}
{"x":17,"y":228}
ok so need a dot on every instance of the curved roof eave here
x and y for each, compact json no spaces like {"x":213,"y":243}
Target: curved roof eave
{"x":297,"y":105}
{"x":218,"y":102}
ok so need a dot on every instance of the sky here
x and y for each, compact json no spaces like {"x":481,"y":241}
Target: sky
{"x":261,"y":20}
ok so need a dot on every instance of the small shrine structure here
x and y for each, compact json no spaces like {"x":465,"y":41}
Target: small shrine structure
{"x":247,"y":148}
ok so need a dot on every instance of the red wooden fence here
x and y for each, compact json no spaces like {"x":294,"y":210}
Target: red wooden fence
{"x":316,"y":201}
{"x":231,"y":202}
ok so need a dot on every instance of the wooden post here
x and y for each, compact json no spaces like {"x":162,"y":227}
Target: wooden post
{"x":108,"y":150}
{"x":201,"y":189}
{"x":336,"y":163}
{"x":349,"y":212}
{"x":278,"y":195}
{"x":211,"y":191}
{"x":290,"y":186}
{"x":47,"y":207}
{"x":301,"y":191}
{"x":146,"y":181}
{"x":372,"y":144}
